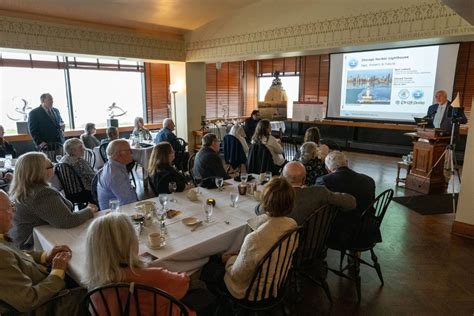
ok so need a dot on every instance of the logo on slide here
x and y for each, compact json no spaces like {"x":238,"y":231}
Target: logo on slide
{"x":353,"y":63}
{"x":404,"y":94}
{"x":417,"y":94}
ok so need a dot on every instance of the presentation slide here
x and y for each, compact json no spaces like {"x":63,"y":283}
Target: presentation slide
{"x":393,"y":84}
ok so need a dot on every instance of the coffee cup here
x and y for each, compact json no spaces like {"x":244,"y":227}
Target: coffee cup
{"x":261,"y":177}
{"x":192,"y":195}
{"x":154,"y":239}
{"x":257,"y":194}
{"x":242,"y":189}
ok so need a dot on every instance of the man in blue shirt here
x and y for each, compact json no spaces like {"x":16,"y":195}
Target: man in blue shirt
{"x":114,"y":182}
{"x":166,"y":133}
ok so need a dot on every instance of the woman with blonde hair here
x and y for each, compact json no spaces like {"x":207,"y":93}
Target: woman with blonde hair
{"x":161,"y":171}
{"x":37,"y":203}
{"x":314,"y":166}
{"x":263,"y":135}
{"x":140,"y":130}
{"x":119,"y":262}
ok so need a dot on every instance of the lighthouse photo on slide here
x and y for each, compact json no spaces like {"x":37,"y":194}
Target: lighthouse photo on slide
{"x":369,"y":86}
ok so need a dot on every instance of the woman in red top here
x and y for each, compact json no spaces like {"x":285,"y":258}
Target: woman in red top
{"x":112,"y":257}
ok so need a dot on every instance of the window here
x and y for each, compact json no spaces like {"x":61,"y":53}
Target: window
{"x":291,"y":84}
{"x":20,"y":85}
{"x":93,"y":91}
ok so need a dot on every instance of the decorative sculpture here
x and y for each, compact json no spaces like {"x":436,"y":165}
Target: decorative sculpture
{"x":22,"y":108}
{"x":113,"y":109}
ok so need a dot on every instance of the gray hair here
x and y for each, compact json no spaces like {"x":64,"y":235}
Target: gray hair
{"x":114,"y":147}
{"x":70,"y":144}
{"x":335,"y":160}
{"x":111,"y":243}
{"x":309,"y":151}
{"x":167,"y":122}
{"x":208,"y":139}
{"x":44,"y":96}
{"x":89,"y":127}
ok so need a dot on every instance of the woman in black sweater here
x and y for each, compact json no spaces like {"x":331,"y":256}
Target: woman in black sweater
{"x":161,"y":171}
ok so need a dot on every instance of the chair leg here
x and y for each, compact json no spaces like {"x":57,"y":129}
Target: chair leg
{"x":377,"y":266}
{"x":356,"y":271}
{"x":343,"y":253}
{"x":325,"y":286}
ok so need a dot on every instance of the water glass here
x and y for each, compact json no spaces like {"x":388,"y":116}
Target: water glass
{"x":163,"y":199}
{"x":208,"y":209}
{"x":58,"y":158}
{"x":219,"y":183}
{"x":234,"y":197}
{"x":268,"y":176}
{"x":172,"y":187}
{"x":244,"y":177}
{"x":114,"y":205}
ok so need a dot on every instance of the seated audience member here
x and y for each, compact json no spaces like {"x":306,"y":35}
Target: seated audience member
{"x":250,"y":124}
{"x":314,"y":166}
{"x":343,"y":179}
{"x":208,"y":163}
{"x":26,"y":281}
{"x":161,"y":171}
{"x":112,"y":134}
{"x":5,"y":179}
{"x":37,"y":203}
{"x":238,"y":132}
{"x":5,"y":147}
{"x":166,"y":133}
{"x":140,"y":129}
{"x":119,"y":262}
{"x":74,"y":150}
{"x":88,"y":138}
{"x":263,"y":135}
{"x":312,"y":135}
{"x":114,"y":180}
{"x":309,"y":199}
{"x":278,"y":198}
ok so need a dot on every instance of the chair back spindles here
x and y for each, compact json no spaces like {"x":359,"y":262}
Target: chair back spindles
{"x":133,"y":299}
{"x":89,"y":157}
{"x":72,"y":184}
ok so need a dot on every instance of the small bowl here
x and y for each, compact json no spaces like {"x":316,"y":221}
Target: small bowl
{"x":190,"y":221}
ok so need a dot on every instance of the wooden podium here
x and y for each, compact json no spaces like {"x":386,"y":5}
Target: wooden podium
{"x":427,"y":149}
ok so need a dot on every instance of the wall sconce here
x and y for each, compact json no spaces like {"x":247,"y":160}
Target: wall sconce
{"x":174,"y":89}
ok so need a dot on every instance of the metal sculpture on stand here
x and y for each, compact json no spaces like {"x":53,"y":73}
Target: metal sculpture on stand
{"x":113,"y":112}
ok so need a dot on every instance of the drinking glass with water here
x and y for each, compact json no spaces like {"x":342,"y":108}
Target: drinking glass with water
{"x":114,"y":205}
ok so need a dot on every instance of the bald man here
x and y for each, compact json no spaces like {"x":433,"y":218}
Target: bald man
{"x":114,"y":180}
{"x":309,"y":199}
{"x":442,"y":112}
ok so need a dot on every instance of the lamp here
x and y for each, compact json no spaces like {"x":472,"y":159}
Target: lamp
{"x":174,"y":90}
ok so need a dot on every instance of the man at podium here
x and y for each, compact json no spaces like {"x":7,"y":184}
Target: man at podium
{"x":442,"y":113}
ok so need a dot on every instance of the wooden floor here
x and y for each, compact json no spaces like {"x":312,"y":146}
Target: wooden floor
{"x":427,"y":270}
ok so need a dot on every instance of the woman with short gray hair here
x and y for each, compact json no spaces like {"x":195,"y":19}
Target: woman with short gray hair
{"x":88,"y":138}
{"x":74,"y":151}
{"x":310,"y":159}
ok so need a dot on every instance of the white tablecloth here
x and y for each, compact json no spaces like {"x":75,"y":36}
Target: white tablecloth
{"x":184,"y":250}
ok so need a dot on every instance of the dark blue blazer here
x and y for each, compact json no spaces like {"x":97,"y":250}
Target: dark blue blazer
{"x":43,"y":128}
{"x":446,"y":122}
{"x":234,"y":154}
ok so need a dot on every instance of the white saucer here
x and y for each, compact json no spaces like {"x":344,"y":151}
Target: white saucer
{"x":153,"y":247}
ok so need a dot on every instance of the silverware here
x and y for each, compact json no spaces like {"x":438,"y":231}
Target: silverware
{"x":199,"y":224}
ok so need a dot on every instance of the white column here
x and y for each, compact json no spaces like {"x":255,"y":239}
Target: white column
{"x":190,"y":80}
{"x":465,"y":212}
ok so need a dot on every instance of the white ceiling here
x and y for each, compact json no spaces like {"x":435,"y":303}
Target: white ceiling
{"x":157,"y":15}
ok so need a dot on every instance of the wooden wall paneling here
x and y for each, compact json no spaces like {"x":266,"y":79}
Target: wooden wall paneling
{"x":211,"y":91}
{"x":234,"y":89}
{"x":251,"y":93}
{"x":157,"y":81}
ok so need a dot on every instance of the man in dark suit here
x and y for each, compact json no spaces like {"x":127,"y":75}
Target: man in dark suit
{"x":46,"y":126}
{"x":250,"y":124}
{"x":342,"y":179}
{"x":442,"y":112}
{"x":208,"y":163}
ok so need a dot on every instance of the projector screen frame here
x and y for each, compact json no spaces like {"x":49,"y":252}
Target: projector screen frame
{"x":382,"y":49}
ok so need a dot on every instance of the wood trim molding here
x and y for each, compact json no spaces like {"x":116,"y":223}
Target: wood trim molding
{"x":424,"y":21}
{"x":463,"y":229}
{"x":77,"y":132}
{"x":24,"y":33}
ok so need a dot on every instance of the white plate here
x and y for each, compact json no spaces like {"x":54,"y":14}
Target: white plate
{"x":190,"y":221}
{"x":145,"y":203}
{"x":153,"y":247}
